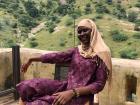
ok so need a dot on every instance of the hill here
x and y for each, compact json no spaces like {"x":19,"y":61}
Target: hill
{"x":118,"y":21}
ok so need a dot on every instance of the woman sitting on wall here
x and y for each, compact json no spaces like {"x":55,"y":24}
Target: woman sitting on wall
{"x":90,"y":66}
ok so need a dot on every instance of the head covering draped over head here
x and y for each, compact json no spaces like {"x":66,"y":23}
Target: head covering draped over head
{"x":97,"y":45}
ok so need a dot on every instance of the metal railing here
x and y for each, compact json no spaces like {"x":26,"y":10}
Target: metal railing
{"x":16,"y":72}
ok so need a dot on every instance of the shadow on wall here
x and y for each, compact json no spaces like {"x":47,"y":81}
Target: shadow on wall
{"x":131,"y":86}
{"x":9,"y":82}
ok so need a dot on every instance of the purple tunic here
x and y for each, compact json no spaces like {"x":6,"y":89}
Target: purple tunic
{"x":89,"y":72}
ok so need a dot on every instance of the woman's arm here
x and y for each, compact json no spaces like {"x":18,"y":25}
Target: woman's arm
{"x":98,"y":84}
{"x":57,"y":57}
{"x":25,"y":66}
{"x":93,"y":88}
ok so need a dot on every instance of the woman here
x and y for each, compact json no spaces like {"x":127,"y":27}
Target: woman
{"x":90,"y":66}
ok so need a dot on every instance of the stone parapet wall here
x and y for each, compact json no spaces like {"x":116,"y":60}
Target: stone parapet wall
{"x":36,"y":69}
{"x":116,"y":94}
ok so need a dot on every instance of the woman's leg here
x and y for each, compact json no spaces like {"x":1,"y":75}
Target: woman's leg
{"x":31,"y":90}
{"x":21,"y":102}
{"x":40,"y":101}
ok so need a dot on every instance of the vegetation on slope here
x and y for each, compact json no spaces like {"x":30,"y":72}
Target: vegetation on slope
{"x":118,"y":22}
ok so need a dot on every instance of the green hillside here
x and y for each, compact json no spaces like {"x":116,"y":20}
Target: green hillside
{"x":118,"y":22}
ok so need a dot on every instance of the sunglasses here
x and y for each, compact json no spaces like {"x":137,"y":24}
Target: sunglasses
{"x":83,"y":30}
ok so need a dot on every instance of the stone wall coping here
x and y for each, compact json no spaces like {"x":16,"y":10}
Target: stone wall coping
{"x":115,"y":61}
{"x":126,"y":62}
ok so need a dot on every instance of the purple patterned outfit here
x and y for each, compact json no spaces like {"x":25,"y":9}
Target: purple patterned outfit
{"x":82,"y":72}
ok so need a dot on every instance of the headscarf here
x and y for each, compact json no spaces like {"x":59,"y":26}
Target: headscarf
{"x":97,"y":46}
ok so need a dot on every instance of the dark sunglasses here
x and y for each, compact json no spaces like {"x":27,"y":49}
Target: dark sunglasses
{"x":84,"y":30}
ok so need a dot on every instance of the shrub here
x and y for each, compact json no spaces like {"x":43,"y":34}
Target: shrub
{"x":54,"y":18}
{"x":27,"y":21}
{"x":137,"y":5}
{"x":2,"y":5}
{"x":74,"y":15}
{"x":129,"y":43}
{"x":117,"y":36}
{"x":130,"y":6}
{"x":1,"y":25}
{"x":50,"y":26}
{"x":93,"y":18}
{"x":13,"y":24}
{"x":137,"y":22}
{"x":137,"y":27}
{"x":119,"y":14}
{"x":129,"y":53}
{"x":32,"y":39}
{"x":88,"y":9}
{"x":31,"y":9}
{"x":62,"y":42}
{"x":119,"y":11}
{"x":99,"y":16}
{"x":132,"y":16}
{"x":7,"y":21}
{"x":114,"y":32}
{"x":109,"y":2}
{"x":70,"y":33}
{"x":69,"y":22}
{"x":63,"y":10}
{"x":13,"y":6}
{"x":77,"y":12}
{"x":10,"y":43}
{"x":33,"y":44}
{"x":101,"y":8}
{"x":136,"y":36}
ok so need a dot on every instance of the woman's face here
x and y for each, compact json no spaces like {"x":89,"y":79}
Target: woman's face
{"x":84,"y":34}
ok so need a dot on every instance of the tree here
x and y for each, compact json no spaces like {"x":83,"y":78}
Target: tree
{"x":49,"y":4}
{"x":50,"y":26}
{"x":31,"y":8}
{"x":14,"y":6}
{"x":76,"y":13}
{"x":27,"y":21}
{"x":119,"y":11}
{"x":100,"y":8}
{"x":67,"y":8}
{"x":88,"y":9}
{"x":63,"y":10}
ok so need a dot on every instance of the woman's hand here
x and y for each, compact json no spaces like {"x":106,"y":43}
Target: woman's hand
{"x":25,"y":66}
{"x":63,"y":97}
